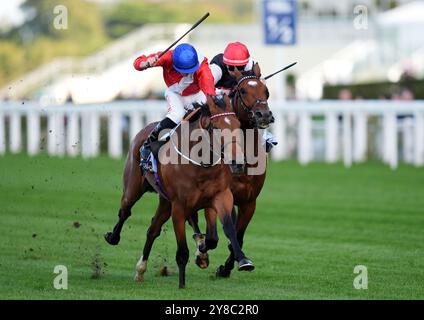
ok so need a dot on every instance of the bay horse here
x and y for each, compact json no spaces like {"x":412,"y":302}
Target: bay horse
{"x":249,"y":100}
{"x":184,"y":188}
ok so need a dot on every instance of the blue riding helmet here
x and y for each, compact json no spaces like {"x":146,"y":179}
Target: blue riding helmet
{"x":185,"y":58}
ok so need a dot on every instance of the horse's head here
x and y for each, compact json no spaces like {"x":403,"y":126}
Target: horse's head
{"x":223,"y":126}
{"x":251,"y":99}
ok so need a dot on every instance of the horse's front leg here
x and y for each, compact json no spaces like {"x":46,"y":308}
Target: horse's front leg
{"x":201,"y":258}
{"x":223,"y":204}
{"x":163,"y":212}
{"x":246,"y":212}
{"x":178,"y":220}
{"x":134,"y":188}
{"x":193,"y":221}
{"x":208,"y":241}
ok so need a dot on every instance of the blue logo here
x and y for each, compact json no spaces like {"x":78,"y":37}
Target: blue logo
{"x":279,"y":18}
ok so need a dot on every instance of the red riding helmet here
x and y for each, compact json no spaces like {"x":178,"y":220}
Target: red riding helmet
{"x":236,"y":54}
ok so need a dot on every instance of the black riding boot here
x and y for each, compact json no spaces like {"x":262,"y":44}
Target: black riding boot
{"x":154,"y":135}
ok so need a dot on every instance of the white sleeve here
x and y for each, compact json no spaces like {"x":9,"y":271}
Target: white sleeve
{"x":216,"y":72}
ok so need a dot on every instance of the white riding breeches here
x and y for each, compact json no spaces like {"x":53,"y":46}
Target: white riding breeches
{"x":178,"y":105}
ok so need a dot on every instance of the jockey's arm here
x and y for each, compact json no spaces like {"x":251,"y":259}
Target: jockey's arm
{"x":206,"y":79}
{"x":216,"y":72}
{"x":144,"y":62}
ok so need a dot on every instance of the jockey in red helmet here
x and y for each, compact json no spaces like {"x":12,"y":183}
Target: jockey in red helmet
{"x":236,"y":55}
{"x":189,"y":79}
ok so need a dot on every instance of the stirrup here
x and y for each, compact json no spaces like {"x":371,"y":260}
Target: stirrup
{"x":146,"y":166}
{"x":145,"y":150}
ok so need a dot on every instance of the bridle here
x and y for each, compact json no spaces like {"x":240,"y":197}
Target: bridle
{"x":246,"y":108}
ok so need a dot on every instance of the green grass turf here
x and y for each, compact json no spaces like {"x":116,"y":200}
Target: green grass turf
{"x":313,"y":225}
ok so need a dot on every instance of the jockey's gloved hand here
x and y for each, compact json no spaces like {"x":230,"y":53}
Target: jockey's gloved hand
{"x":150,"y":62}
{"x":269,"y":145}
{"x":269,"y":141}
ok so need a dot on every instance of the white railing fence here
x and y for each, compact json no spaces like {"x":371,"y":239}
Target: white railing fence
{"x":327,"y":131}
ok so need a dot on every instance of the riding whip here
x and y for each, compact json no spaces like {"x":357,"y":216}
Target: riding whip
{"x":192,"y":28}
{"x":285,"y":68}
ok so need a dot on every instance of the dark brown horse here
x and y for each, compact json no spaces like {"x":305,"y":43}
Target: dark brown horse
{"x":249,"y":100}
{"x":184,"y":188}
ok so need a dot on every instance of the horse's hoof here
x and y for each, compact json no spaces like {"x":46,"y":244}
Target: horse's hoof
{"x":112,"y":239}
{"x":139,"y":278}
{"x":246,"y":265}
{"x":221,"y":272}
{"x":202,"y":260}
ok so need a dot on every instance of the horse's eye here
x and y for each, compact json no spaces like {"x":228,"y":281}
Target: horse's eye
{"x":243,"y":91}
{"x":267,"y":93}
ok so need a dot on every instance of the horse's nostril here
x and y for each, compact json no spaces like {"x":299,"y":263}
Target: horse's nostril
{"x":259,"y":114}
{"x":272,"y":119}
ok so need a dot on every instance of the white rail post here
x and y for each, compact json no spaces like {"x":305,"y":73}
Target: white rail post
{"x":2,"y":134}
{"x":90,"y":134}
{"x":95,"y":133}
{"x":60,"y":133}
{"x":408,"y":140}
{"x":347,"y":140}
{"x":390,"y":139}
{"x":85,"y":130}
{"x":72,"y":136}
{"x":56,"y":133}
{"x":51,"y":133}
{"x":15,"y":132}
{"x":115,"y":134}
{"x":304,"y":139}
{"x":33,"y":132}
{"x":279,"y":129}
{"x":419,"y":139}
{"x":331,"y":137}
{"x":135,"y":124}
{"x":360,"y":136}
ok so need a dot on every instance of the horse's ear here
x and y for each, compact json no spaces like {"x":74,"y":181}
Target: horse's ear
{"x":210,"y":101}
{"x":227,"y":102}
{"x":205,"y":122}
{"x":211,"y":105}
{"x":257,"y":70}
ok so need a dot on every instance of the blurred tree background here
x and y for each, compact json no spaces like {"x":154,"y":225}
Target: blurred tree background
{"x":93,"y":24}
